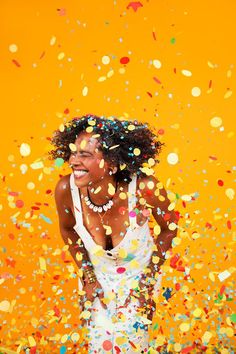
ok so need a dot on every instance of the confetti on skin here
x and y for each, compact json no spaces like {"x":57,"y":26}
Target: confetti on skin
{"x":25,"y":149}
{"x":135,"y":5}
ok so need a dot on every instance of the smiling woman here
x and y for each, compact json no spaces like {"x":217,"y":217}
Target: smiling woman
{"x":104,"y":206}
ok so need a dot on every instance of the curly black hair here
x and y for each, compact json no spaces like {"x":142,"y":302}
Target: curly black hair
{"x":126,"y":144}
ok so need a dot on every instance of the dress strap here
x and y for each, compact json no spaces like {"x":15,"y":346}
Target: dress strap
{"x":76,"y":201}
{"x":132,"y":201}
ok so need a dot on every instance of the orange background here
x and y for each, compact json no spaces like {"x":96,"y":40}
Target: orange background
{"x":52,"y":69}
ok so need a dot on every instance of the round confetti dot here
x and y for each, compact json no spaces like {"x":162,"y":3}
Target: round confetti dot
{"x":5,"y":306}
{"x":59,"y":162}
{"x":184,"y":327}
{"x":124,"y":60}
{"x":75,"y":337}
{"x":62,"y":350}
{"x":107,"y":345}
{"x":172,"y":158}
{"x":30,"y":185}
{"x":122,"y":195}
{"x":216,"y":122}
{"x":137,"y":152}
{"x":19,"y":203}
{"x":132,"y":214}
{"x":72,"y":147}
{"x":157,"y":230}
{"x":220,"y":182}
{"x":120,"y":270}
{"x":122,"y":71}
{"x":230,"y":193}
{"x":161,"y":131}
{"x":177,"y":347}
{"x":197,"y":312}
{"x":156,"y":63}
{"x":122,"y":210}
{"x":105,"y":59}
{"x":196,"y":91}
{"x":25,"y":149}
{"x":64,"y":338}
{"x":13,"y":48}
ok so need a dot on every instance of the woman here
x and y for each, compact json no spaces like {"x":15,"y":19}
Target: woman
{"x":104,"y":206}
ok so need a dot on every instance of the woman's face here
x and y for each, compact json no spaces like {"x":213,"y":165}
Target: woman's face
{"x":87,"y":162}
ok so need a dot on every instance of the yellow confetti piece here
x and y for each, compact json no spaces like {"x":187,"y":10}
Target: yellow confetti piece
{"x":75,"y":337}
{"x":211,"y":65}
{"x":206,"y":337}
{"x":30,"y":186}
{"x":113,"y":147}
{"x":196,"y":91}
{"x":172,"y":226}
{"x":122,"y":71}
{"x":52,"y":40}
{"x":34,"y":321}
{"x":61,"y":127}
{"x":85,"y":91}
{"x":156,"y":63}
{"x":184,"y":327}
{"x":211,"y":276}
{"x":5,"y":306}
{"x":108,"y":229}
{"x":86,"y":315}
{"x":105,"y":59}
{"x":157,"y":230}
{"x":137,"y":152}
{"x":25,"y":149}
{"x":176,"y":241}
{"x":101,"y":163}
{"x":61,"y":56}
{"x":32,"y":342}
{"x":122,"y":166}
{"x":97,"y":190}
{"x":111,"y":189}
{"x":177,"y":347}
{"x":122,"y":253}
{"x":102,"y":78}
{"x":13,"y":48}
{"x":230,"y":193}
{"x":147,"y":171}
{"x":42,"y":263}
{"x":160,"y":340}
{"x":64,"y":338}
{"x":151,"y":162}
{"x":197,"y":312}
{"x":110,"y":73}
{"x":36,"y":165}
{"x":186,"y":73}
{"x":121,"y":340}
{"x":172,"y":158}
{"x":83,"y":144}
{"x":79,"y":256}
{"x":216,"y":122}
{"x":155,"y":259}
{"x":122,"y":195}
{"x":228,"y":94}
{"x":89,"y":129}
{"x":131,"y":127}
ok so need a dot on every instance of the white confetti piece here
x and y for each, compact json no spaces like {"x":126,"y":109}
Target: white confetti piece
{"x":25,"y":149}
{"x":224,"y":275}
{"x":172,"y":158}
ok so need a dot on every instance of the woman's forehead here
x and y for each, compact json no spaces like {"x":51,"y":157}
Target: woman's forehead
{"x":86,"y":140}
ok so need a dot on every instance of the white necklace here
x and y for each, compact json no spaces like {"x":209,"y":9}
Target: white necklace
{"x":99,"y":208}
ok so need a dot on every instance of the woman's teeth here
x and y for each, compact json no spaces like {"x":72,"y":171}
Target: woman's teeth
{"x":80,"y":173}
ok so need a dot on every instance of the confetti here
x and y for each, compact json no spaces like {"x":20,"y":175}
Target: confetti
{"x":105,"y":59}
{"x":13,"y":48}
{"x":25,"y":149}
{"x":216,"y":122}
{"x":196,"y":91}
{"x":172,"y":158}
{"x":156,"y":63}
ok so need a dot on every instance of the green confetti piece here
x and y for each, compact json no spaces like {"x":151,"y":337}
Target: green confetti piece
{"x":233,"y":318}
{"x":173,"y":40}
{"x":59,"y":162}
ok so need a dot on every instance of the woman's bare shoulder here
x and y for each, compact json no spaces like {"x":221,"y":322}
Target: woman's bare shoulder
{"x":63,"y":186}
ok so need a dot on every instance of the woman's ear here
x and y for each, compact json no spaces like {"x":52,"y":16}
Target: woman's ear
{"x":114,"y":170}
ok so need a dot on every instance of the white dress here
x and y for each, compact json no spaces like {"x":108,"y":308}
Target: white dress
{"x":117,"y":329}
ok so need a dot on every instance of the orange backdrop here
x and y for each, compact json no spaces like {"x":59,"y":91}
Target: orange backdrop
{"x":169,"y":63}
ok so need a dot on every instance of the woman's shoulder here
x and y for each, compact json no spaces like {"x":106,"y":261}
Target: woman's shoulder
{"x":63,"y":186}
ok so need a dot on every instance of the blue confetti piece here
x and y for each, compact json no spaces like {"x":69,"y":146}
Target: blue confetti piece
{"x":45,"y":218}
{"x":63,"y":350}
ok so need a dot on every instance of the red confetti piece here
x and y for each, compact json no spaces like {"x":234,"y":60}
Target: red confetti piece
{"x":149,"y":94}
{"x":48,"y":191}
{"x":161,"y":131}
{"x":35,"y":208}
{"x":210,"y":84}
{"x":42,"y":55}
{"x":175,"y":70}
{"x":132,"y":344}
{"x":187,"y":350}
{"x":61,"y":12}
{"x":177,"y":286}
{"x":19,"y":203}
{"x":213,"y":158}
{"x":124,"y":60}
{"x":222,"y":289}
{"x":10,"y":262}
{"x":66,"y":111}
{"x":117,"y":349}
{"x":220,"y":182}
{"x":33,"y":350}
{"x":120,"y":270}
{"x":107,"y":345}
{"x":11,"y":236}
{"x":134,"y":5}
{"x":174,"y":260}
{"x":56,"y":311}
{"x":154,"y":36}
{"x":14,"y":194}
{"x":16,"y":63}
{"x":122,"y":210}
{"x":229,"y":224}
{"x":156,"y":80}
